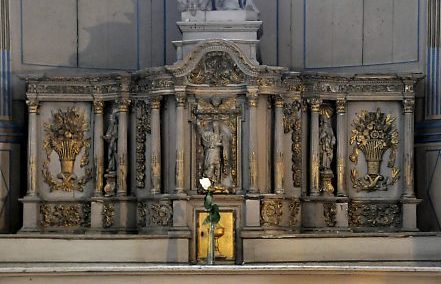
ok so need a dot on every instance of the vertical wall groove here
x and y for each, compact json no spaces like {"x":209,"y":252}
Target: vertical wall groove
{"x":433,"y":76}
{"x":5,"y":63}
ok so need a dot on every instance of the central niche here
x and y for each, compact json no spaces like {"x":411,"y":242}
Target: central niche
{"x":216,"y":131}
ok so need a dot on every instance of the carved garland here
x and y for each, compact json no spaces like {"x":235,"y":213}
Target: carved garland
{"x":141,"y":211}
{"x":292,"y":122}
{"x":65,"y":134}
{"x":373,"y":134}
{"x":329,"y":213}
{"x":294,"y":208}
{"x":143,"y":123}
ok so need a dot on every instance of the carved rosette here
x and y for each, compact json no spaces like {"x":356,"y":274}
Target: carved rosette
{"x":143,"y":124}
{"x":292,"y":123}
{"x":271,"y":212}
{"x":65,"y":215}
{"x":373,"y":134}
{"x":329,"y":213}
{"x":216,"y":68}
{"x":108,"y":214}
{"x":382,"y":215}
{"x":159,"y":214}
{"x":65,"y":134}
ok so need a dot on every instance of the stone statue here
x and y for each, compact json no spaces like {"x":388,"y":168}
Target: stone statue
{"x":216,"y":139}
{"x":327,"y":142}
{"x":111,"y":138}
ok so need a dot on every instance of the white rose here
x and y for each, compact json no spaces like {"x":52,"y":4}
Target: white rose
{"x":205,"y":183}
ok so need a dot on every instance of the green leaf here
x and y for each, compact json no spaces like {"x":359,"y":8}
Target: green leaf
{"x":208,"y":200}
{"x":207,"y":220}
{"x":215,"y":217}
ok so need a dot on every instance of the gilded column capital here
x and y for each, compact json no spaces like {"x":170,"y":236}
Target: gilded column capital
{"x":33,"y":106}
{"x":98,"y":106}
{"x":279,"y":102}
{"x":341,"y":105}
{"x":409,"y":105}
{"x":181,"y":98}
{"x":252,"y":95}
{"x":155,"y":103}
{"x":124,"y":104}
{"x":315,"y":104}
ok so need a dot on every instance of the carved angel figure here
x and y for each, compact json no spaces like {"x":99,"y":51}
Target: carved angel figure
{"x":216,"y":139}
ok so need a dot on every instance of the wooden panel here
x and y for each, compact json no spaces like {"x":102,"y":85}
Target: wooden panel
{"x":171,"y":30}
{"x":347,"y":32}
{"x":49,"y":32}
{"x":268,"y":42}
{"x":151,"y":33}
{"x":333,"y":33}
{"x":319,"y":21}
{"x":405,"y":39}
{"x":378,"y":31}
{"x":285,"y":33}
{"x":107,"y":34}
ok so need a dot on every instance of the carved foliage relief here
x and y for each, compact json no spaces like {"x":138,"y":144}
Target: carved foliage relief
{"x":143,"y":122}
{"x":373,"y":134}
{"x":292,"y":123}
{"x":216,"y":69}
{"x":65,"y":135}
{"x":374,"y":215}
{"x":271,"y":212}
{"x":65,"y":215}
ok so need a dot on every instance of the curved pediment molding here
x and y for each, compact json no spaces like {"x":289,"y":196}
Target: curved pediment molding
{"x":219,"y":63}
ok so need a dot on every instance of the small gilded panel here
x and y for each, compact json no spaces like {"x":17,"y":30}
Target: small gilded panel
{"x":224,"y":237}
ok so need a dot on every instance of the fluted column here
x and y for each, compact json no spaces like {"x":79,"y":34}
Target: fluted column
{"x":156,"y":146}
{"x":33,"y":106}
{"x":408,"y":105}
{"x":122,"y":146}
{"x":252,"y":94}
{"x":278,"y":146}
{"x":180,"y":125}
{"x":341,"y":147}
{"x":98,"y":146}
{"x":315,"y":147}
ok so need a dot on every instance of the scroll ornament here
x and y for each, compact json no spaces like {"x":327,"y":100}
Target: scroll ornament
{"x":65,"y":134}
{"x":374,"y":133}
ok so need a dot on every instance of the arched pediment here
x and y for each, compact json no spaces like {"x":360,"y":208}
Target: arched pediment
{"x":216,"y":63}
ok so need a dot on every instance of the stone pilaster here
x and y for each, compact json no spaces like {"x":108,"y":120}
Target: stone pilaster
{"x":252,"y":94}
{"x":315,"y":147}
{"x":33,"y":107}
{"x":156,"y":146}
{"x":98,"y":146}
{"x":122,"y":146}
{"x":341,"y":147}
{"x":180,"y":135}
{"x":278,"y":147}
{"x":408,"y":106}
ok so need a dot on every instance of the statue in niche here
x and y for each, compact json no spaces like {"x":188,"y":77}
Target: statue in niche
{"x":111,"y":137}
{"x":327,"y":144}
{"x":221,"y":5}
{"x":216,"y":139}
